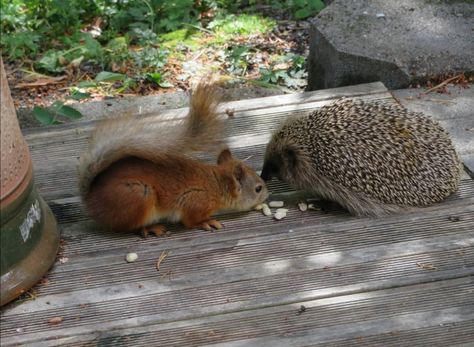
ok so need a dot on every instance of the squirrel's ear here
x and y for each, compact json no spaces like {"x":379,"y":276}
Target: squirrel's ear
{"x":239,"y":173}
{"x":224,"y":156}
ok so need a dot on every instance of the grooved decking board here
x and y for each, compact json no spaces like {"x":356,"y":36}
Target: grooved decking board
{"x":247,"y":134}
{"x":387,"y":315}
{"x":402,"y":280}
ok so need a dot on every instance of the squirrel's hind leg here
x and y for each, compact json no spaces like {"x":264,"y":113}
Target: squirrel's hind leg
{"x":193,"y":221}
{"x":209,"y":224}
{"x":123,"y":204}
{"x":155,"y":229}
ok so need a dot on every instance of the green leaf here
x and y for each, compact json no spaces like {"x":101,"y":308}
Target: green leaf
{"x":299,"y":3}
{"x":87,"y":84}
{"x":155,"y":77}
{"x":69,"y":112}
{"x":106,"y":76}
{"x":127,"y":84}
{"x":50,"y":61}
{"x":76,"y":62}
{"x":303,"y":13}
{"x":43,"y":116}
{"x":118,"y":44}
{"x":56,"y":106}
{"x":316,"y":5}
{"x":92,"y":47}
{"x":79,"y":96}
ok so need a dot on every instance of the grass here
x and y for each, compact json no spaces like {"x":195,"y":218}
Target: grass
{"x":243,"y":25}
{"x":147,"y":45}
{"x":190,"y":37}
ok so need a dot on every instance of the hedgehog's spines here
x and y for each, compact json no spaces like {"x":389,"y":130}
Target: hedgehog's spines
{"x":371,"y":157}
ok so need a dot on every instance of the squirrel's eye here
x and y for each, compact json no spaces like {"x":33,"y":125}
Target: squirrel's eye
{"x":258,"y":188}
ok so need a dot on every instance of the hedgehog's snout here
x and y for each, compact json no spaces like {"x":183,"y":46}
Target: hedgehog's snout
{"x":270,"y":170}
{"x":266,"y":175}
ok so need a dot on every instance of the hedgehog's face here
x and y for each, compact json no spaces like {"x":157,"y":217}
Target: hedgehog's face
{"x":280,"y":163}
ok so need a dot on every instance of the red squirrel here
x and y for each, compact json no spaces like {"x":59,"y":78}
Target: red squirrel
{"x":136,"y":173}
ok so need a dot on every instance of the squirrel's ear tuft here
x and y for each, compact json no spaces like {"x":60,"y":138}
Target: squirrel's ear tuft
{"x":224,"y":156}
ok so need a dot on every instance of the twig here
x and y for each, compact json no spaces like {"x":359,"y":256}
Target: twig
{"x":440,"y":101}
{"x":442,"y":84}
{"x":426,"y":266}
{"x":35,"y":74}
{"x":197,"y":55}
{"x":162,"y":257}
{"x":199,"y":28}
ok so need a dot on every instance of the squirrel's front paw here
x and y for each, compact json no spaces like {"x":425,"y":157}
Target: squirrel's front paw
{"x":211,"y":223}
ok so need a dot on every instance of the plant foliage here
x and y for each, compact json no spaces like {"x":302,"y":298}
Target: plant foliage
{"x":122,"y":43}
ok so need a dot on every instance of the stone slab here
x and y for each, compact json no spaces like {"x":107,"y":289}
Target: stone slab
{"x":396,"y":42}
{"x":454,"y":110}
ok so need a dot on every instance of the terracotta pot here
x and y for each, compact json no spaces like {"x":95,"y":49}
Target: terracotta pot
{"x":29,"y":237}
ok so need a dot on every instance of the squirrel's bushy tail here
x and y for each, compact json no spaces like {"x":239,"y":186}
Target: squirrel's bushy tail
{"x":200,"y":130}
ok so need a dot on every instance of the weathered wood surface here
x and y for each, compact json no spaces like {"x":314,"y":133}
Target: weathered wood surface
{"x":404,"y":280}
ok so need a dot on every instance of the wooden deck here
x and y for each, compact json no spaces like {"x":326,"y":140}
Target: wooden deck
{"x":313,"y":279}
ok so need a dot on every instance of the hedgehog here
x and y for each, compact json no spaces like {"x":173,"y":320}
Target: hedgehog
{"x":371,"y":157}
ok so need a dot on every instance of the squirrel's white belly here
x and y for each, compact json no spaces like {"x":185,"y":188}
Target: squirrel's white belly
{"x":155,"y":216}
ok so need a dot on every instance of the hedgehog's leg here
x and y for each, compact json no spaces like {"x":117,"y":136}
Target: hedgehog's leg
{"x":360,"y":205}
{"x":327,"y":205}
{"x":356,"y":203}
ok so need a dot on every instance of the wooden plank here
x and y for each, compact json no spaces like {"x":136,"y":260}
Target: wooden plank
{"x":357,"y":277}
{"x":386,"y":314}
{"x":307,"y":97}
{"x":56,"y":177}
{"x":243,"y":120}
{"x":88,"y":234}
{"x":276,"y":269}
{"x":364,"y":90}
{"x":55,"y":153}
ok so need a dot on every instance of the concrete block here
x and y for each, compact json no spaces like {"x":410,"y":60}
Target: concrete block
{"x":396,"y":42}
